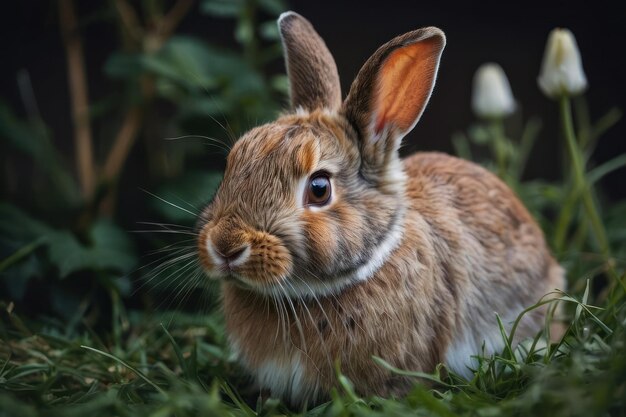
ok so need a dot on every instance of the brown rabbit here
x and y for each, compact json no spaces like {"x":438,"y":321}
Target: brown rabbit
{"x":332,"y":249}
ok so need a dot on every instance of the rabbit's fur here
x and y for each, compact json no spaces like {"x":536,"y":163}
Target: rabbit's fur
{"x":409,"y":261}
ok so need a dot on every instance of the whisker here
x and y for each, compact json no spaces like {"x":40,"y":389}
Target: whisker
{"x":212,"y":141}
{"x":295,"y":316}
{"x":174,"y":276}
{"x":176,"y":232}
{"x":279,"y":309}
{"x":162,"y":268}
{"x":325,"y":284}
{"x":189,"y":250}
{"x":317,"y":301}
{"x":166,"y":225}
{"x":168,"y":202}
{"x":332,"y":294}
{"x":187,"y":290}
{"x":174,"y":247}
{"x":304,"y":350}
{"x":230,"y":132}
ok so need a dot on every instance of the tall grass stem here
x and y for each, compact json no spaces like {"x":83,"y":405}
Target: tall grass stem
{"x":580,"y":181}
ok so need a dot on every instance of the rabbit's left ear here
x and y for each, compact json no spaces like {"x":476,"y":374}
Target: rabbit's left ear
{"x":392,"y":89}
{"x":312,"y":72}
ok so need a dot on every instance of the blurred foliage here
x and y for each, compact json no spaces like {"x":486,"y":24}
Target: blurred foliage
{"x":89,"y":323}
{"x":556,"y":204}
{"x":187,"y":100}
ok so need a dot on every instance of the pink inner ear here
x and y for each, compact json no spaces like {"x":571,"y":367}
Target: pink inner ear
{"x":405,"y":82}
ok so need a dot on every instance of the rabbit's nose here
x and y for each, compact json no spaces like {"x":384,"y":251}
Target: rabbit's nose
{"x":232,"y":256}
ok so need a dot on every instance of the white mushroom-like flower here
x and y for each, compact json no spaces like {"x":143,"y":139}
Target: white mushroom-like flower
{"x":561,"y":69}
{"x":491,"y":95}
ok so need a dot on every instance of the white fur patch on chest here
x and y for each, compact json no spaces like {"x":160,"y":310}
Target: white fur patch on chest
{"x":284,"y":374}
{"x":286,"y":379}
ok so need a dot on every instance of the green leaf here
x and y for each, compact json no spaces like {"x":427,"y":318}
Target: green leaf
{"x":244,"y":32}
{"x":269,"y":31}
{"x":204,"y":106}
{"x":21,"y":253}
{"x":222,"y":8}
{"x":274,"y":7}
{"x":20,"y":237}
{"x":196,"y":65}
{"x":123,"y":65}
{"x":183,"y":60}
{"x":280,"y":83}
{"x":110,"y":249}
{"x":19,"y":268}
{"x":19,"y":226}
{"x":32,"y":139}
{"x":250,"y":87}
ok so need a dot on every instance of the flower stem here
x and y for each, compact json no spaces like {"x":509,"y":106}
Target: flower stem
{"x":498,"y":143}
{"x":580,"y":182}
{"x":568,"y":207}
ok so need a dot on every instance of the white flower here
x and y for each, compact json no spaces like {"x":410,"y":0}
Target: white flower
{"x":491,"y":95}
{"x":561,"y":69}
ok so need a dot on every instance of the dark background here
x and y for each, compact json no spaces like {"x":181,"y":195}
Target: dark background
{"x":510,"y":33}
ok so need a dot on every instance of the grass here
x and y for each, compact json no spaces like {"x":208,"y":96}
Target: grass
{"x":185,"y":369}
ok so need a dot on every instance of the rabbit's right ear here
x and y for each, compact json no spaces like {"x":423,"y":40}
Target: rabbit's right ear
{"x":312,"y":72}
{"x":390,"y":93}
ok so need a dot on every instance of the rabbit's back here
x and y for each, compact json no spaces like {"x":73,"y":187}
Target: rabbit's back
{"x":492,"y":255}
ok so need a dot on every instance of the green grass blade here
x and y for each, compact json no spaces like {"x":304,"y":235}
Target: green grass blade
{"x":178,"y":352}
{"x":415,"y":374}
{"x":236,"y":399}
{"x":132,"y":369}
{"x":599,"y":172}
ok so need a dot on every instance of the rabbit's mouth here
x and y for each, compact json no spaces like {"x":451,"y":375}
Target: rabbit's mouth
{"x":243,"y":256}
{"x":238,"y":281}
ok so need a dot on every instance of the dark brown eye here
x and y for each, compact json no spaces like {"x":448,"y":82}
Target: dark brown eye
{"x":318,"y":190}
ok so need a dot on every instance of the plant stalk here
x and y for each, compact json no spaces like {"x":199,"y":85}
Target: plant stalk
{"x":80,"y":103}
{"x":496,"y":126}
{"x":580,"y":182}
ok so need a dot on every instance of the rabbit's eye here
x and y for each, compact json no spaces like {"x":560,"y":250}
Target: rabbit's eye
{"x":318,"y":190}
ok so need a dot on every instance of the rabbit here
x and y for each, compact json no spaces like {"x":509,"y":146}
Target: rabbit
{"x":332,"y":250}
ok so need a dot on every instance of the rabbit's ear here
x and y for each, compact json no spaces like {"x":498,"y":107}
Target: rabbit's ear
{"x":391,"y":91}
{"x":313,"y":78}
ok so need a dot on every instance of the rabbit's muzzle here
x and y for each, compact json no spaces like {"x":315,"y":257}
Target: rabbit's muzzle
{"x":230,"y":249}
